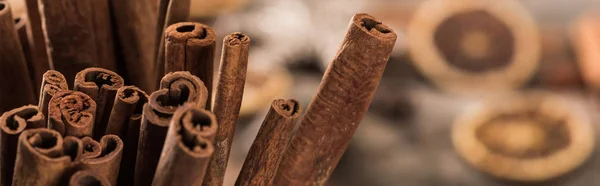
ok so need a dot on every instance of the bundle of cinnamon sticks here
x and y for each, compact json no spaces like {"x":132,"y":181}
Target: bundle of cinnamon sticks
{"x":167,"y":131}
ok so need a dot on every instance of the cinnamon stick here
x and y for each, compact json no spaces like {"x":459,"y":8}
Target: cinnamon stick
{"x":103,"y":31}
{"x":21,"y":25}
{"x":88,"y":178}
{"x":101,"y":85}
{"x":106,"y":158}
{"x":13,"y":68}
{"x":269,"y":145}
{"x":157,"y":114}
{"x":135,"y":32}
{"x":339,"y":105}
{"x":228,"y":100}
{"x":169,"y":12}
{"x":182,"y":82}
{"x":70,"y":37}
{"x":71,"y":113}
{"x":124,"y":121}
{"x":43,"y":157}
{"x":36,"y":41}
{"x":12,"y":123}
{"x":52,"y":82}
{"x":188,"y":147}
{"x":191,"y":47}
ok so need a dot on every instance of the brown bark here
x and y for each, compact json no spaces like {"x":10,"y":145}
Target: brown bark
{"x":339,"y":105}
{"x":105,"y":159}
{"x":103,"y":32}
{"x":88,"y":178}
{"x":12,"y":123}
{"x":101,"y":85}
{"x":70,"y":37}
{"x":37,"y":42}
{"x":188,"y":147}
{"x":135,"y":29}
{"x":228,"y":100}
{"x":191,"y":47}
{"x":169,"y":12}
{"x":52,"y":82}
{"x":181,"y":82}
{"x":21,"y":24}
{"x":71,"y":113}
{"x":271,"y":141}
{"x":15,"y":86}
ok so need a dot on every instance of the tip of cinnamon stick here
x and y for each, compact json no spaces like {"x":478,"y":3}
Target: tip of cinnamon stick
{"x":290,"y":108}
{"x":236,"y":38}
{"x":372,"y":26}
{"x":3,"y":6}
{"x":98,"y":77}
{"x":15,"y":121}
{"x":191,"y":32}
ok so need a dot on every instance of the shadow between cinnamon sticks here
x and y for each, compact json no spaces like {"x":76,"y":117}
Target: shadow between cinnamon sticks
{"x":101,"y":85}
{"x":12,"y":123}
{"x":71,"y":113}
{"x":124,"y":121}
{"x":70,"y":37}
{"x":88,"y":178}
{"x":15,"y":87}
{"x":52,"y":82}
{"x":188,"y":147}
{"x":169,"y":12}
{"x":191,"y":47}
{"x":228,"y":100}
{"x":270,"y":143}
{"x":341,"y":102}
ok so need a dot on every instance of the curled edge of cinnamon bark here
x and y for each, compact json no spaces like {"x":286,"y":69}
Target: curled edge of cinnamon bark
{"x":76,"y":109}
{"x":12,"y":123}
{"x":264,"y":156}
{"x":52,"y":82}
{"x":339,"y":105}
{"x":228,"y":100}
{"x":106,"y":159}
{"x":88,"y":178}
{"x":101,"y":85}
{"x":182,"y":82}
{"x":188,"y":147}
{"x":169,"y":12}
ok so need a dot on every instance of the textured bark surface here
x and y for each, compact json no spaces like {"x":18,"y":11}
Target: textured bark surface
{"x":70,"y":37}
{"x":103,"y":32}
{"x":106,"y":159}
{"x":71,"y":113}
{"x":12,"y":123}
{"x":191,"y":47}
{"x":15,"y":87}
{"x":228,"y":100}
{"x":182,"y":84}
{"x":169,"y":12}
{"x":22,"y":26}
{"x":188,"y":147}
{"x":37,"y":42}
{"x":101,"y":85}
{"x":270,"y":143}
{"x":341,"y":102}
{"x":52,"y":82}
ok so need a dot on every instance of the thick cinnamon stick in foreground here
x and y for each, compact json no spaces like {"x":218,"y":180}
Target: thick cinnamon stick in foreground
{"x":182,"y":82}
{"x":228,"y":100}
{"x":15,"y":87}
{"x":135,"y":32}
{"x":52,"y":82}
{"x":71,"y":113}
{"x":339,"y":105}
{"x":69,"y":35}
{"x":101,"y":85}
{"x":156,"y":117}
{"x":271,"y":141}
{"x":191,"y":47}
{"x":43,"y":158}
{"x":188,"y":147}
{"x":36,"y":41}
{"x":103,"y":33}
{"x":12,"y":123}
{"x":169,"y":12}
{"x":124,"y":121}
{"x":88,"y":178}
{"x":106,"y":159}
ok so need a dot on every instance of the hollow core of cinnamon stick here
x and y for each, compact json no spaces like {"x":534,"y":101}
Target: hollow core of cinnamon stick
{"x":52,"y":82}
{"x":182,"y":84}
{"x":106,"y":159}
{"x":88,"y":178}
{"x":71,"y":113}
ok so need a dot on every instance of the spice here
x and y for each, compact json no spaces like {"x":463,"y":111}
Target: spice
{"x":71,"y":113}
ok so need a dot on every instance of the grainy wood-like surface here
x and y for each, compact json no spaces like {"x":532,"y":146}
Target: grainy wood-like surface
{"x":71,"y":113}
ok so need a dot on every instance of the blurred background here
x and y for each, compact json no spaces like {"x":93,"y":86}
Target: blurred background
{"x":543,"y":45}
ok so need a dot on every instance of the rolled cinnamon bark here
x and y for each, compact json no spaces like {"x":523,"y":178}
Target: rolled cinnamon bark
{"x":71,"y":113}
{"x":21,"y":24}
{"x":12,"y":123}
{"x":228,"y":100}
{"x":88,"y":178}
{"x":43,"y":157}
{"x":188,"y":147}
{"x":36,"y":41}
{"x":339,"y":105}
{"x":52,"y":82}
{"x":101,"y":85}
{"x":135,"y":32}
{"x":13,"y":67}
{"x":70,"y":37}
{"x":106,"y":159}
{"x":191,"y":47}
{"x":269,"y":146}
{"x":124,"y":122}
{"x":169,"y":12}
{"x":103,"y":33}
{"x":182,"y":82}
